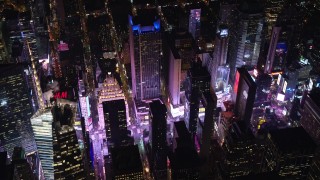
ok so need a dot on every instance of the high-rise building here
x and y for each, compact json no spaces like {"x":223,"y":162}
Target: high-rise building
{"x":312,"y":39}
{"x":16,"y":108}
{"x":263,"y":82}
{"x":181,"y":136}
{"x":245,"y":91}
{"x":310,"y":119}
{"x":145,"y":53}
{"x":221,"y":45}
{"x":245,"y":48}
{"x":251,"y":22}
{"x":198,"y":82}
{"x":158,"y":139}
{"x":174,"y":77}
{"x":126,"y":163}
{"x":280,"y":40}
{"x":272,"y":49}
{"x":243,"y":153}
{"x":3,"y":165}
{"x":227,"y":13}
{"x":67,"y":155}
{"x":210,"y":122}
{"x":110,"y":90}
{"x":206,"y":130}
{"x":291,"y":152}
{"x":22,"y":169}
{"x":185,"y":161}
{"x":115,"y":121}
{"x":179,"y":50}
{"x":41,"y":123}
{"x":272,"y":10}
{"x":4,"y":55}
{"x":218,"y":69}
{"x":195,"y":23}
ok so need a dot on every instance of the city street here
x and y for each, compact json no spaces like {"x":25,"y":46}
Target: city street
{"x":97,"y":142}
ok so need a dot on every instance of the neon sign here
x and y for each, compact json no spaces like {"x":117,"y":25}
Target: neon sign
{"x":61,"y":95}
{"x":236,"y":83}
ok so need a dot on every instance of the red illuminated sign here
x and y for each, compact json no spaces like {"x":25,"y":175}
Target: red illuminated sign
{"x":63,"y":46}
{"x":61,"y":95}
{"x":236,"y":82}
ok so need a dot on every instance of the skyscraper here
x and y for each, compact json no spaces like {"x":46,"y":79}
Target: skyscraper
{"x":22,"y":169}
{"x":206,"y":130}
{"x":42,"y":127}
{"x":245,"y":90}
{"x":263,"y":82}
{"x":115,"y":121}
{"x":179,"y":52}
{"x":209,"y":100}
{"x":198,"y":82}
{"x":4,"y":55}
{"x":219,"y":69}
{"x":109,"y":91}
{"x":184,"y":161}
{"x":194,"y":23}
{"x":158,"y":139}
{"x":291,"y":152}
{"x":272,"y":10}
{"x":145,"y":54}
{"x":243,"y":153}
{"x":272,"y":49}
{"x":67,"y":155}
{"x":16,"y":108}
{"x":245,"y":49}
{"x":310,"y":119}
{"x":126,"y":163}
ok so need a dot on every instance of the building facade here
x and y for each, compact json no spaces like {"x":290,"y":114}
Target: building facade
{"x":145,"y":53}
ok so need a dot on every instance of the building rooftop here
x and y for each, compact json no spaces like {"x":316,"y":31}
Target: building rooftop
{"x":183,"y":137}
{"x":181,"y":129}
{"x":251,"y":6}
{"x":198,"y":71}
{"x":11,"y":68}
{"x":314,"y":95}
{"x":3,"y":159}
{"x":126,"y":159}
{"x":245,"y":74}
{"x":178,"y":40}
{"x":262,"y":176}
{"x":292,"y":139}
{"x":158,"y":109}
{"x":143,"y":2}
{"x":145,"y":17}
{"x":239,"y":132}
{"x":185,"y":158}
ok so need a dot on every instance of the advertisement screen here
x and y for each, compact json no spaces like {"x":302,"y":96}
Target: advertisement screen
{"x":236,"y":83}
{"x":279,"y":79}
{"x":310,"y":84}
{"x":280,"y":97}
{"x":284,"y":86}
{"x":63,"y":46}
{"x":224,"y":32}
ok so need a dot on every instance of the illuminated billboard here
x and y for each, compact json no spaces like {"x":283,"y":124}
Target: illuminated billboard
{"x":224,"y":32}
{"x":61,"y":95}
{"x":310,"y":84}
{"x":63,"y":46}
{"x":236,"y":83}
{"x":222,"y":78}
{"x":284,"y":86}
{"x":66,"y":94}
{"x":280,"y":97}
{"x":279,"y":79}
